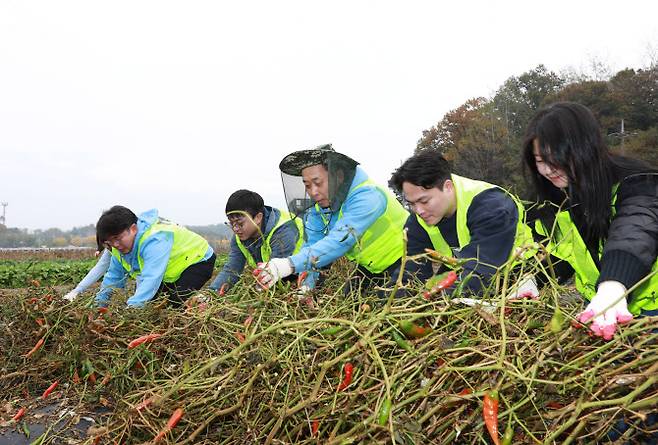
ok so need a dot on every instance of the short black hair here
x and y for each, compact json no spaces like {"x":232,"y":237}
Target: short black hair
{"x":114,"y":221}
{"x":427,"y":168}
{"x":245,"y":201}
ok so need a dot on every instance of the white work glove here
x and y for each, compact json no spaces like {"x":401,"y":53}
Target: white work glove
{"x":484,"y":305}
{"x":267,"y":274}
{"x":607,"y":308}
{"x":527,"y":289}
{"x":71,"y":295}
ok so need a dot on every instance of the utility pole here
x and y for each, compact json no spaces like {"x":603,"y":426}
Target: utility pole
{"x":4,"y":212}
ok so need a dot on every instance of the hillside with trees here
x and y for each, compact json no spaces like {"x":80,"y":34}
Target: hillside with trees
{"x":483,"y":136}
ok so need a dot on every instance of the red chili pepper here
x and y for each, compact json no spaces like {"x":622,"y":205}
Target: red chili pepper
{"x":40,"y":321}
{"x":315,"y":425}
{"x":76,"y":376}
{"x":490,"y":414}
{"x":448,"y":281}
{"x":103,"y":310}
{"x":412,"y":330}
{"x":348,"y":368}
{"x":143,"y":339}
{"x":144,"y":404}
{"x":32,"y":300}
{"x":50,"y":389}
{"x":91,"y":378}
{"x":464,"y":392}
{"x":222,"y":290}
{"x":19,"y":415}
{"x":173,"y":420}
{"x":300,"y":278}
{"x":96,"y":441}
{"x":554,"y":405}
{"x":248,"y":321}
{"x":240,"y":336}
{"x":36,"y":347}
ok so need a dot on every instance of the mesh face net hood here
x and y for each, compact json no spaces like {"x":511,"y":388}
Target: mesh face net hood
{"x":340,"y":169}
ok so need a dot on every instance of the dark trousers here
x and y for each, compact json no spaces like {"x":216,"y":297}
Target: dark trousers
{"x":364,"y":281}
{"x":191,"y":280}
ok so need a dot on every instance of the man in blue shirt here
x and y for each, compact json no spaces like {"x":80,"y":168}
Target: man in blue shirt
{"x":345,"y":214}
{"x":158,"y":254}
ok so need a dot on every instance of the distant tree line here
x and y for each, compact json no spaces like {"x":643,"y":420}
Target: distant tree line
{"x":483,"y":137}
{"x":85,"y":236}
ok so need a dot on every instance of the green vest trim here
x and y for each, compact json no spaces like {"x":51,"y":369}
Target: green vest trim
{"x":188,"y":248}
{"x":466,"y":190}
{"x":266,"y":247}
{"x":571,"y":248}
{"x":382,"y":243}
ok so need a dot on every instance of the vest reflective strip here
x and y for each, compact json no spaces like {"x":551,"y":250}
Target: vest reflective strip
{"x":570,"y":247}
{"x":188,"y":248}
{"x":266,"y":247}
{"x":465,"y":191}
{"x":382,"y":244}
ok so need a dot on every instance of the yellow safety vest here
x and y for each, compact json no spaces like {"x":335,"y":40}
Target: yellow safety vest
{"x":266,"y":247}
{"x":381,"y":244}
{"x":570,"y":247}
{"x":465,"y":190}
{"x":188,"y":248}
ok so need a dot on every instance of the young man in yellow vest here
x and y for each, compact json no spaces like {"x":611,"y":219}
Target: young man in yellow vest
{"x":345,"y":214}
{"x":460,"y":217}
{"x":160,"y":255}
{"x":261,"y":233}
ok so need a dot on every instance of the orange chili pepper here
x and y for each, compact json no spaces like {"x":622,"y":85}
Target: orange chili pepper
{"x":50,"y":389}
{"x":171,"y":423}
{"x":490,"y":414}
{"x":143,"y":339}
{"x":36,"y":347}
{"x":19,"y":415}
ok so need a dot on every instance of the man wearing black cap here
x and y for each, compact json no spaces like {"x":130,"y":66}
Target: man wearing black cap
{"x":344,"y":213}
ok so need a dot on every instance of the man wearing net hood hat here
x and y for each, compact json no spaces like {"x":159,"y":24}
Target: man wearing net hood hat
{"x":344,"y":214}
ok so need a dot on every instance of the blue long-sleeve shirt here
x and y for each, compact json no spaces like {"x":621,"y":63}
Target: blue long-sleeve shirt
{"x":96,"y":272}
{"x":491,"y":219}
{"x":155,"y":253}
{"x":328,"y":237}
{"x":283,"y":243}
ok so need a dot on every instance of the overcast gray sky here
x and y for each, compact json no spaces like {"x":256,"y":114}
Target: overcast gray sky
{"x":175,"y":105}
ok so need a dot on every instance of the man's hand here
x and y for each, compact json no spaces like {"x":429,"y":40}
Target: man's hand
{"x":267,"y":274}
{"x":71,"y":295}
{"x":607,"y":308}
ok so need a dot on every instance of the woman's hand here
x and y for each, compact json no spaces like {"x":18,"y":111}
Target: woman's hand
{"x":607,"y":308}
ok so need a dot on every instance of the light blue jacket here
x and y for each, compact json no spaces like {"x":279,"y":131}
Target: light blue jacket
{"x":96,"y":272}
{"x":326,"y":243}
{"x":155,"y":252}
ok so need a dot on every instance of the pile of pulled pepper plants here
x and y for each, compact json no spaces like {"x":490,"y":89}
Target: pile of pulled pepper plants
{"x":271,"y":367}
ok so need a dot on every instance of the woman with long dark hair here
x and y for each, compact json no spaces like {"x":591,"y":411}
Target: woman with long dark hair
{"x":599,"y":212}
